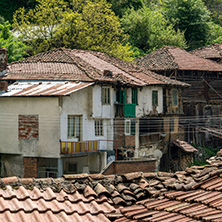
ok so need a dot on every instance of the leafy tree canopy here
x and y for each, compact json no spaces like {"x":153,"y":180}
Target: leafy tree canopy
{"x":81,"y":24}
{"x":121,"y":6}
{"x":215,"y":7}
{"x":8,"y":7}
{"x":148,"y":30}
{"x":16,"y":48}
{"x":190,"y":16}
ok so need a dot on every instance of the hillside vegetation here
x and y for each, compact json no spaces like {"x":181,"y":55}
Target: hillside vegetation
{"x":123,"y":28}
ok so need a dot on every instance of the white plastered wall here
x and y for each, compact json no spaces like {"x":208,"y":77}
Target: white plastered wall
{"x":87,"y":103}
{"x":47,"y":110}
{"x":144,"y":106}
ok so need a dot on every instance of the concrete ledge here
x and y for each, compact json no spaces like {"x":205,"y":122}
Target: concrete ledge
{"x":129,"y":166}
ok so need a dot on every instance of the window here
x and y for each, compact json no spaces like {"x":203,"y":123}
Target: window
{"x":72,"y":167}
{"x":127,"y":127}
{"x":134,"y":96}
{"x":98,"y":128}
{"x":130,"y":126}
{"x":175,"y":97}
{"x":74,"y":127}
{"x":171,"y":124}
{"x":105,"y":95}
{"x":155,"y":98}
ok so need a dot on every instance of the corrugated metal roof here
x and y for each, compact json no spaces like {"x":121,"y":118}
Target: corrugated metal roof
{"x":37,"y":88}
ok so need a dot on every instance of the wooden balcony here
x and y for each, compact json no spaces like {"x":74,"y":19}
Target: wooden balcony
{"x":79,"y":147}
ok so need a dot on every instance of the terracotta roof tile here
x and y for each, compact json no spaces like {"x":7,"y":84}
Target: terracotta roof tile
{"x":213,"y":51}
{"x":127,"y":197}
{"x":85,"y":66}
{"x":173,"y":58}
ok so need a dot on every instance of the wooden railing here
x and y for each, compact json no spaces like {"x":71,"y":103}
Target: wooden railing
{"x":79,"y":147}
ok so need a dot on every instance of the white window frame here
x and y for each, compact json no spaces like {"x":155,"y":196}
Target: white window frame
{"x":106,"y":91}
{"x":72,"y":131}
{"x":127,"y":127}
{"x":98,"y":127}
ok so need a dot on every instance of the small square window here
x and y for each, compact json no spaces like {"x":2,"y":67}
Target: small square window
{"x":72,"y":167}
{"x":105,"y":95}
{"x":98,"y":128}
{"x":155,"y":98}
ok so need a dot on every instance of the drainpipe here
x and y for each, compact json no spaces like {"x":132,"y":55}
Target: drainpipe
{"x":136,"y":154}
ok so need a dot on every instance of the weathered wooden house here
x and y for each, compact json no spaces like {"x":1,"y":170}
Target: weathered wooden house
{"x":202,"y":102}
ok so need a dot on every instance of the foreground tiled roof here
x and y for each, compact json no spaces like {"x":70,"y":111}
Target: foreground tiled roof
{"x":79,"y":65}
{"x":172,"y":58}
{"x":191,"y":195}
{"x":37,"y":88}
{"x":213,"y":51}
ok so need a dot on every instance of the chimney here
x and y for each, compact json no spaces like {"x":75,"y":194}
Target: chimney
{"x":3,"y":60}
{"x":108,"y":73}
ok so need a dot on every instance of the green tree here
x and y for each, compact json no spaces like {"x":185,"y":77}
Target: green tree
{"x":215,"y":7}
{"x":148,"y":30}
{"x":8,"y":7}
{"x":81,"y":24}
{"x":121,"y":6}
{"x":16,"y":48}
{"x":190,"y":16}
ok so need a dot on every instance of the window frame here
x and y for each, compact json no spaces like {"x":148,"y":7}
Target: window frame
{"x":127,"y":129}
{"x":174,"y":97}
{"x":106,"y":95}
{"x":98,"y":126}
{"x":72,"y":133}
{"x":171,"y":125}
{"x":131,"y":129}
{"x":134,"y":96}
{"x":155,"y":97}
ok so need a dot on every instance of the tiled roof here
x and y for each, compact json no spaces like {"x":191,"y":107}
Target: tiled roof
{"x":172,"y":58}
{"x":213,"y":51}
{"x":191,"y":195}
{"x":88,"y":66}
{"x":30,"y":203}
{"x":38,"y":88}
{"x":184,"y":146}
